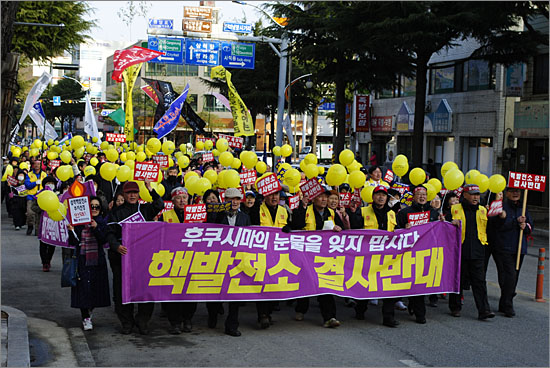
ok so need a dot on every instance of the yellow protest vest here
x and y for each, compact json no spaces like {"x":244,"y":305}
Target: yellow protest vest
{"x":33,"y":178}
{"x":481,"y":220}
{"x":281,"y":216}
{"x":171,"y":217}
{"x":310,"y":218}
{"x":370,"y":221}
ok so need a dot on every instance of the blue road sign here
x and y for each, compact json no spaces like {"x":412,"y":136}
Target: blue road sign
{"x":161,"y":23}
{"x":237,"y":27}
{"x":201,"y":52}
{"x":238,"y":55}
{"x":57,"y":100}
{"x":172,"y":47}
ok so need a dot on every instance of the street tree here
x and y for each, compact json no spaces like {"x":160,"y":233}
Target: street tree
{"x":72,"y":107}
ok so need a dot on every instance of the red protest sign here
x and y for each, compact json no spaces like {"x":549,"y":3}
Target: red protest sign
{"x":79,"y":211}
{"x":248,"y":176}
{"x":418,"y":218}
{"x":294,"y":201}
{"x":146,"y":171}
{"x":235,"y":142}
{"x":268,"y":185}
{"x":388,"y":178}
{"x":54,"y":164}
{"x":162,"y":160}
{"x":195,"y":213}
{"x":207,"y":157}
{"x":345,"y":199}
{"x":311,"y":188}
{"x":495,"y":208}
{"x":12,"y":181}
{"x":114,"y":137}
{"x":362,"y":113}
{"x":527,"y":181}
{"x":204,"y":139}
{"x":168,"y":205}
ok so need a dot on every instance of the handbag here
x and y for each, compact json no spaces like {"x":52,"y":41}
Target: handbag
{"x":69,"y":273}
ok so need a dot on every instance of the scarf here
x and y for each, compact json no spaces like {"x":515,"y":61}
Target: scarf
{"x":89,"y":246}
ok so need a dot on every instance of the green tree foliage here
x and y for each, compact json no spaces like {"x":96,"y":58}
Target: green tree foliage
{"x":67,"y":90}
{"x":43,"y":43}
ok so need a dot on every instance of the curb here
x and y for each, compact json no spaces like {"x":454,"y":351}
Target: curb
{"x":18,"y":338}
{"x":80,"y":347}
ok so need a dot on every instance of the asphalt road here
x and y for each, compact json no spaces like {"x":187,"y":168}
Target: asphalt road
{"x":443,"y":341}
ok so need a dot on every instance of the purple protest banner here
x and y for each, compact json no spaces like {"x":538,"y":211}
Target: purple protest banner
{"x":206,"y":262}
{"x":53,"y":232}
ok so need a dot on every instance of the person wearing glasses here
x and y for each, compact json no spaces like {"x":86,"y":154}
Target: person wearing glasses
{"x":92,"y":288}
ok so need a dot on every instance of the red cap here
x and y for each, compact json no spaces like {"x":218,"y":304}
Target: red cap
{"x":380,"y":188}
{"x":130,"y":186}
{"x":471,"y":189}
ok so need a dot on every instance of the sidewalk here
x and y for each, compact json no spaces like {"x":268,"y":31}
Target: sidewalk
{"x":15,"y":338}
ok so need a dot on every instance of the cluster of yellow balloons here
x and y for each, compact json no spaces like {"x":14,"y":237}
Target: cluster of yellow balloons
{"x":285,"y":150}
{"x":49,"y":202}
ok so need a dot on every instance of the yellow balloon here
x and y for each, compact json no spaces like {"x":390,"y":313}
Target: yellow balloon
{"x":236,"y":163}
{"x":9,"y":170}
{"x":261,"y":167}
{"x":33,"y":152}
{"x":211,"y":175}
{"x":446,"y":167}
{"x":64,"y":172}
{"x":168,"y":147}
{"x":59,"y":213}
{"x":47,"y":200}
{"x":66,"y":156}
{"x":141,"y":156}
{"x":310,"y":159}
{"x":89,"y":170}
{"x":311,"y":170}
{"x":190,"y":184}
{"x":130,"y":163}
{"x":436,"y":184}
{"x":94,"y":139}
{"x":483,"y":182}
{"x":123,"y":173}
{"x":277,"y":151}
{"x":188,"y":175}
{"x":202,"y":185}
{"x":52,"y":155}
{"x":183,"y":161}
{"x":321,"y":170}
{"x":357,"y":179}
{"x":16,"y":152}
{"x":366,"y":193}
{"x":417,"y":176}
{"x":226,"y":158}
{"x":221,"y":182}
{"x":453,"y":179}
{"x":249,"y":159}
{"x":286,"y":150}
{"x":208,"y":145}
{"x":222,"y":145}
{"x":346,"y":157}
{"x":199,"y":146}
{"x":104,"y":145}
{"x":215,"y":152}
{"x":431,"y":192}
{"x":336,"y":175}
{"x":38,"y":143}
{"x":94,"y":161}
{"x":112,"y":155}
{"x":497,"y":183}
{"x":470,"y":176}
{"x":354,"y":166}
{"x":144,"y":192}
{"x":232,"y":179}
{"x":400,"y":165}
{"x":77,"y":142}
{"x":79,"y":152}
{"x":292,"y":177}
{"x":159,"y":188}
{"x":130,"y":156}
{"x":107,"y":171}
{"x":153,"y":145}
{"x":183,"y":148}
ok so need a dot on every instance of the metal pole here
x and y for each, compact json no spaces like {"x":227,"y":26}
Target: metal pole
{"x":281,"y":91}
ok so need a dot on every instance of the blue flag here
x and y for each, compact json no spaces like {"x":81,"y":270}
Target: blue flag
{"x":38,"y":107}
{"x":170,"y":119}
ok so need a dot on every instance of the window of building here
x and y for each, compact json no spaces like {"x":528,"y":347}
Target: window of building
{"x":110,"y":81}
{"x":409,"y":86}
{"x":442,"y":79}
{"x":540,"y":74}
{"x":171,"y":70}
{"x":211,"y":103}
{"x":479,"y":75}
{"x":207,"y":70}
{"x":192,"y":100}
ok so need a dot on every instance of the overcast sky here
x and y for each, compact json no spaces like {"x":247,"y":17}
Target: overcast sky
{"x":111,"y":28}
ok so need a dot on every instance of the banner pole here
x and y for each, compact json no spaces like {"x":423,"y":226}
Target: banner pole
{"x":521,"y":230}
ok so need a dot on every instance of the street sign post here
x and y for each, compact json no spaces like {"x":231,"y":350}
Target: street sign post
{"x":237,"y":27}
{"x":161,"y":23}
{"x":57,"y":100}
{"x":197,"y":25}
{"x":202,"y":52}
{"x":238,"y":55}
{"x":172,"y":47}
{"x":197,"y":12}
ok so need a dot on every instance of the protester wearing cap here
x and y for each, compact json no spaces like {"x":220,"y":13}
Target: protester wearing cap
{"x":473,"y":219}
{"x":251,"y":207}
{"x":507,"y":227}
{"x":419,"y":205}
{"x":317,"y":216}
{"x":145,"y":212}
{"x":379,"y":216}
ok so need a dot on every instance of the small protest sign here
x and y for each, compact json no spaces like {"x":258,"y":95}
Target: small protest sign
{"x":495,"y":208}
{"x":195,"y":213}
{"x":114,"y":137}
{"x":311,"y":188}
{"x":268,"y":185}
{"x":146,"y":170}
{"x":418,"y":218}
{"x":294,"y":201}
{"x":162,"y":160}
{"x":79,"y":210}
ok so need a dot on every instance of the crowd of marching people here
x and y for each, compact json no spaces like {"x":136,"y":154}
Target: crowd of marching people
{"x":482,"y":236}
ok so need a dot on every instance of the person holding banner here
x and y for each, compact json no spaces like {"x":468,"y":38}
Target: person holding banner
{"x":379,"y":216}
{"x":92,"y":288}
{"x":507,"y":229}
{"x":420,"y":212}
{"x":473,"y":219}
{"x":130,"y":211}
{"x":317,"y":216}
{"x":178,"y":312}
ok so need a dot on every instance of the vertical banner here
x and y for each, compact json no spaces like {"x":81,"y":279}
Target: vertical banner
{"x":130,"y":74}
{"x":241,"y":117}
{"x":362,"y":113}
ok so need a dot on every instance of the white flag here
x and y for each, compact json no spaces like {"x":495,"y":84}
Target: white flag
{"x":32,"y":97}
{"x":37,"y":115}
{"x":90,"y":125}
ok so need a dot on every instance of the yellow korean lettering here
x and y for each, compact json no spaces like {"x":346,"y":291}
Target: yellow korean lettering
{"x":176,"y":283}
{"x":334,"y":282}
{"x":257,"y":270}
{"x":282,"y":285}
{"x":357,"y":274}
{"x":434,"y":264}
{"x":330,"y":264}
{"x":181,"y":263}
{"x":236,"y":288}
{"x":225,"y":261}
{"x":284,"y":264}
{"x":161,"y":263}
{"x":439,"y":265}
{"x":204,"y":263}
{"x":205,"y":284}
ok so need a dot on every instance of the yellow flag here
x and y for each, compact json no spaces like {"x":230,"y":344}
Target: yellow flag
{"x":130,"y":75}
{"x":241,"y":117}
